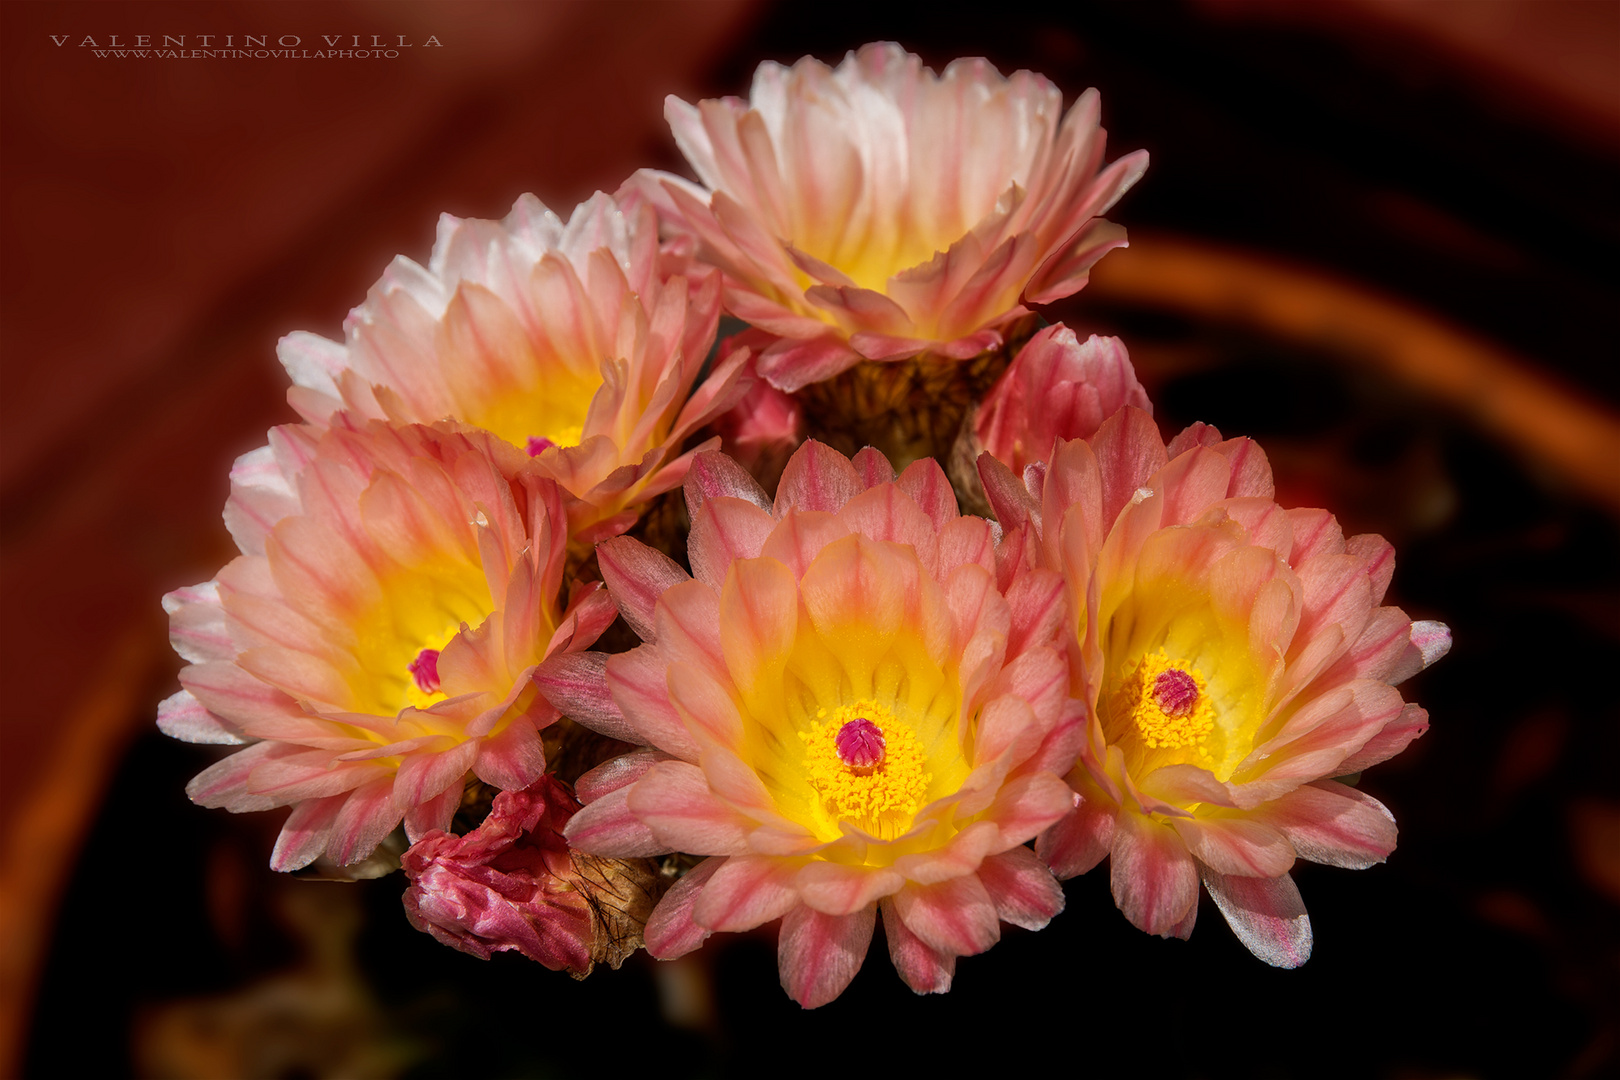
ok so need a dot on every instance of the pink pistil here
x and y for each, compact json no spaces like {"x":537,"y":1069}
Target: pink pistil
{"x":860,"y":744}
{"x":539,"y":444}
{"x":425,"y":670}
{"x":1176,"y":692}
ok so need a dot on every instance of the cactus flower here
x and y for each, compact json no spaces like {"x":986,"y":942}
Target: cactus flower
{"x":374,"y":642}
{"x":878,"y":211}
{"x":579,"y":343}
{"x":842,"y":711}
{"x":1235,"y":657}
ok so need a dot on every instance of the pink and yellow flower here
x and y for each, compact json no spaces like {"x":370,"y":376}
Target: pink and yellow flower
{"x":398,"y":587}
{"x":1235,"y":657}
{"x":1056,"y":388}
{"x":877,"y":211}
{"x":577,"y":342}
{"x":842,"y":711}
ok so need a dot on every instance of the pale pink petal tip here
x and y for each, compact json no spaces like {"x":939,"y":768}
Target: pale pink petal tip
{"x":1433,"y":640}
{"x":1266,"y":914}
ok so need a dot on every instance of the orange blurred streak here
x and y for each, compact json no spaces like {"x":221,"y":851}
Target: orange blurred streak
{"x":1500,"y":391}
{"x":44,"y":837}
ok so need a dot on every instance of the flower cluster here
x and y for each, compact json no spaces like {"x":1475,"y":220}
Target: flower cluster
{"x":851,"y":701}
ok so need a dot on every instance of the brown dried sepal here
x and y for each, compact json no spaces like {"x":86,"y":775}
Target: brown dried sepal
{"x":620,"y":894}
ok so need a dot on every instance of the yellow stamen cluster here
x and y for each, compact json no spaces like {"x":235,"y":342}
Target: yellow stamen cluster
{"x":889,"y":794}
{"x":1139,"y":706}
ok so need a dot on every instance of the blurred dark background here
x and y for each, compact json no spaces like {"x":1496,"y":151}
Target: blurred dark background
{"x":1379,"y":235}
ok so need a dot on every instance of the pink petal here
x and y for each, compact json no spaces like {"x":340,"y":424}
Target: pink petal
{"x":886,"y":513}
{"x":961,"y":856}
{"x":1199,"y":433}
{"x":793,"y":364}
{"x":616,"y":773}
{"x":925,"y":970}
{"x":1184,"y":928}
{"x":1336,"y":591}
{"x":576,"y":684}
{"x":237,"y":697}
{"x":1040,"y":678}
{"x":840,"y":889}
{"x":435,"y":814}
{"x":1009,"y":498}
{"x":1379,"y":557}
{"x":1331,"y":823}
{"x":260,"y":498}
{"x":725,"y":530}
{"x":1028,"y":805}
{"x":1394,"y":737}
{"x":224,"y":784}
{"x":800,"y":536}
{"x":1081,"y":840}
{"x":197,"y":628}
{"x":818,"y":955}
{"x":639,"y":683}
{"x":862,"y":309}
{"x":1153,"y":878}
{"x":955,"y":916}
{"x":817,"y":477}
{"x":670,"y":930}
{"x":714,"y":474}
{"x":607,"y":827}
{"x":637,"y":576}
{"x":745,"y":892}
{"x":675,"y":802}
{"x":1036,"y":600}
{"x":705,"y":707}
{"x":1433,"y":640}
{"x":1384,"y":651}
{"x":687,"y":624}
{"x":1266,"y":914}
{"x":1236,"y":845}
{"x":1022,"y":888}
{"x":304,"y":836}
{"x":422,"y":777}
{"x":1068,"y":270}
{"x":874,"y":468}
{"x":364,"y":819}
{"x":512,"y":760}
{"x":1250,"y":471}
{"x":1184,"y":784}
{"x":181,"y":716}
